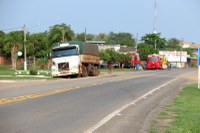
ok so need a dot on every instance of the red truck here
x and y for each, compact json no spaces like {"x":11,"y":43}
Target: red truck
{"x":154,"y":62}
{"x":134,"y":60}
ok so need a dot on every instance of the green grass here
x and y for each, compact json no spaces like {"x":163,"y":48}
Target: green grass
{"x":187,"y":109}
{"x":184,"y":113}
{"x":6,"y":72}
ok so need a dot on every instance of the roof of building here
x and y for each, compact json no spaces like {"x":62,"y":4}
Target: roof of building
{"x":127,"y":49}
{"x":189,"y":45}
{"x":194,"y":46}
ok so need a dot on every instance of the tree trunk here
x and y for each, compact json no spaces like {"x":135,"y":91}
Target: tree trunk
{"x":14,"y":57}
{"x":34,"y":62}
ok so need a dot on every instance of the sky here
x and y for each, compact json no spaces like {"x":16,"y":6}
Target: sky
{"x":175,"y":18}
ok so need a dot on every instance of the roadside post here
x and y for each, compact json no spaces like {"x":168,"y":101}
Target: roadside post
{"x":198,"y":67}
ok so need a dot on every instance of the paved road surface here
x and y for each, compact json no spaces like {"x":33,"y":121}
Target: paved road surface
{"x":121,"y":102}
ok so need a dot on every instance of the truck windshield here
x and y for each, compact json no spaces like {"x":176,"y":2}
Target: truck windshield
{"x":62,"y":52}
{"x":153,"y":59}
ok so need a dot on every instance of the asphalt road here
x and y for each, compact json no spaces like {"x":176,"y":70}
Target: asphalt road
{"x":118,"y":102}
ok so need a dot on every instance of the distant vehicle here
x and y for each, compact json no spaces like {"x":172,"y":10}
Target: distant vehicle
{"x":135,"y":60}
{"x":154,"y":62}
{"x":75,"y":58}
{"x":104,"y":64}
{"x":163,"y":61}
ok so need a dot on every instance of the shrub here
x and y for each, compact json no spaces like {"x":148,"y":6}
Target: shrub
{"x":33,"y":72}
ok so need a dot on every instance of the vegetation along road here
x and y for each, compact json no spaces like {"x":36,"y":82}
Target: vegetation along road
{"x":118,"y":102}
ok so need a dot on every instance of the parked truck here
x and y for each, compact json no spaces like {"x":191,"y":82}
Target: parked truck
{"x":154,"y":62}
{"x":134,"y":60}
{"x":75,"y":58}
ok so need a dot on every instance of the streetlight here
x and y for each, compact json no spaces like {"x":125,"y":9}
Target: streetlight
{"x":25,"y":62}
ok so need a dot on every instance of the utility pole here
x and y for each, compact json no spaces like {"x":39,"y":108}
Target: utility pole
{"x":181,"y":52}
{"x":154,"y":21}
{"x":25,"y":60}
{"x":136,"y":41}
{"x":85,"y":35}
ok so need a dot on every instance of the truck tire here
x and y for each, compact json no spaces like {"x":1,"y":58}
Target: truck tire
{"x":93,"y":72}
{"x":84,"y":71}
{"x":90,"y":69}
{"x":96,"y":71}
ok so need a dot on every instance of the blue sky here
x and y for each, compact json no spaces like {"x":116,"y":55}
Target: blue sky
{"x":175,"y":18}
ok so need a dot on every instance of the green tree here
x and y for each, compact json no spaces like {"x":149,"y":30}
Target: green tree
{"x":125,"y":39}
{"x":100,"y":37}
{"x":14,"y":37}
{"x":60,"y":33}
{"x":105,"y":56}
{"x":2,"y":41}
{"x":13,"y":43}
{"x":80,"y":37}
{"x":155,"y":40}
{"x":145,"y":50}
{"x":110,"y":55}
{"x":173,"y":44}
{"x":38,"y":46}
{"x":189,"y":51}
{"x":90,"y":37}
{"x":112,"y":38}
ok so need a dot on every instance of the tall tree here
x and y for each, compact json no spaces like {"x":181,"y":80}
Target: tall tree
{"x":173,"y":44}
{"x":80,"y":37}
{"x":60,"y":33}
{"x":38,"y":46}
{"x":13,"y":43}
{"x":125,"y":39}
{"x":101,"y":37}
{"x":145,"y":50}
{"x":112,"y":38}
{"x":155,"y":40}
{"x":90,"y":37}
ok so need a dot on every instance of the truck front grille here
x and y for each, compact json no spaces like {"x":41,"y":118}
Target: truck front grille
{"x":63,"y":66}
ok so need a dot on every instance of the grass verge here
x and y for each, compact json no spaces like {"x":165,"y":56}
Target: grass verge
{"x":6,"y":73}
{"x":182,"y":116}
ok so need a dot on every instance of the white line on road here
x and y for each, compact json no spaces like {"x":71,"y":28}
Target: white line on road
{"x":116,"y":112}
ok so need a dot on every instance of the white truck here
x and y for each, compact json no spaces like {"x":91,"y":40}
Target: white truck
{"x":75,"y":58}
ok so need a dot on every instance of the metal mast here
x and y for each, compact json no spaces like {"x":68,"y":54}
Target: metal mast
{"x":155,"y":16}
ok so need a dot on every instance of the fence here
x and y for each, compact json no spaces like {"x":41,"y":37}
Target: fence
{"x":32,"y":63}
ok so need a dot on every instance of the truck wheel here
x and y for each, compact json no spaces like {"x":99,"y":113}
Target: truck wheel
{"x":96,"y":71}
{"x":93,"y":71}
{"x":84,"y":71}
{"x":90,"y":70}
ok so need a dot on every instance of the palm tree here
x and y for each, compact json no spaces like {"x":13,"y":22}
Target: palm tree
{"x":60,"y":33}
{"x":13,"y":43}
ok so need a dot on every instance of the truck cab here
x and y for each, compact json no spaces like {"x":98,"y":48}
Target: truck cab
{"x":154,"y":62}
{"x":65,"y":60}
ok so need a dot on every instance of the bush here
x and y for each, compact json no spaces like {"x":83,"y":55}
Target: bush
{"x":33,"y":72}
